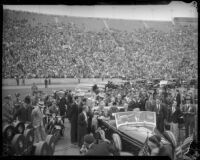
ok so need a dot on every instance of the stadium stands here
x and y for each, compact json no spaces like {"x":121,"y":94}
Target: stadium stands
{"x":36,"y":45}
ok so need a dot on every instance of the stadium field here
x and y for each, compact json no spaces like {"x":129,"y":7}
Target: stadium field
{"x":57,"y":81}
{"x":9,"y":86}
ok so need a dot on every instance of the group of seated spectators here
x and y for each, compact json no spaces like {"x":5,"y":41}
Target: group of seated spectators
{"x":67,"y":50}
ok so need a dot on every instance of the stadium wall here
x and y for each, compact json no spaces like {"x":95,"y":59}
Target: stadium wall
{"x":55,"y":81}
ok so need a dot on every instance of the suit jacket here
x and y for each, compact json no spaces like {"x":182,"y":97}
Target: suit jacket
{"x":82,"y":122}
{"x":90,"y":116}
{"x":29,"y":109}
{"x":61,"y":105}
{"x":82,"y":127}
{"x":21,"y":114}
{"x":37,"y":117}
{"x":101,"y":149}
{"x":131,"y":105}
{"x":140,"y":104}
{"x":73,"y":116}
{"x":74,"y":112}
{"x":176,"y":115}
{"x":178,"y":99}
{"x":80,"y":106}
{"x":189,"y":112}
{"x":149,"y":106}
{"x":162,"y":112}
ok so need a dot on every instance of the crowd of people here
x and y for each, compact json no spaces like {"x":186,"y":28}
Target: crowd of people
{"x":174,"y":109}
{"x":67,"y":50}
{"x":60,"y":50}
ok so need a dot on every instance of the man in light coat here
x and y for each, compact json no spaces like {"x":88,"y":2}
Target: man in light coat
{"x":37,"y":122}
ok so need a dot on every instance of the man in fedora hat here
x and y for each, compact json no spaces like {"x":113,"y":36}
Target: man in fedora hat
{"x":161,"y":112}
{"x":189,"y":116}
{"x":37,"y":122}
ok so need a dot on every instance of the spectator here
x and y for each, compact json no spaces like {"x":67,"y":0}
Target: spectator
{"x":161,"y":113}
{"x":69,"y":100}
{"x":23,"y":80}
{"x":90,"y":116}
{"x":49,"y":81}
{"x":29,"y":108}
{"x":21,"y":114}
{"x":82,"y":125}
{"x":132,"y":104}
{"x":17,"y":80}
{"x":74,"y":121}
{"x":35,"y":98}
{"x":63,"y":107}
{"x":82,"y":103}
{"x":46,"y":83}
{"x":189,"y":117}
{"x":178,"y":98}
{"x":17,"y":104}
{"x":150,"y":103}
{"x":37,"y":122}
{"x":34,"y":89}
{"x":7,"y":111}
{"x":53,"y":109}
{"x":176,"y":114}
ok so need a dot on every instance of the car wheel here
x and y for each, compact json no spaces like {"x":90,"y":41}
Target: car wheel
{"x":18,"y":144}
{"x":117,"y":141}
{"x":50,"y":140}
{"x":19,"y":127}
{"x":41,"y":148}
{"x":8,"y":132}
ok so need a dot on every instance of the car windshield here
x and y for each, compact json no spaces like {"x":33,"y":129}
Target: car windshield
{"x":138,"y":118}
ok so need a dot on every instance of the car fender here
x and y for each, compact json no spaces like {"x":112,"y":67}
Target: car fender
{"x":117,"y":141}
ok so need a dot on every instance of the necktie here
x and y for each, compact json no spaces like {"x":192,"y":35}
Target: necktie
{"x":158,"y":108}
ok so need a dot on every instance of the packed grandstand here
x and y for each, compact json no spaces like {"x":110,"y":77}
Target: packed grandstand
{"x":37,"y":46}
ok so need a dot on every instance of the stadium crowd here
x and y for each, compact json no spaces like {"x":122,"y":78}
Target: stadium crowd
{"x":67,"y":50}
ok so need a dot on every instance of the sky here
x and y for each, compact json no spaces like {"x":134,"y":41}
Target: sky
{"x":139,"y":12}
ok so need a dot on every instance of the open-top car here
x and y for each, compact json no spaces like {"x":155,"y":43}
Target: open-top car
{"x":130,"y":130}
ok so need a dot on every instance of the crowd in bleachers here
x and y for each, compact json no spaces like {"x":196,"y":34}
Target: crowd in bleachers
{"x":67,"y":50}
